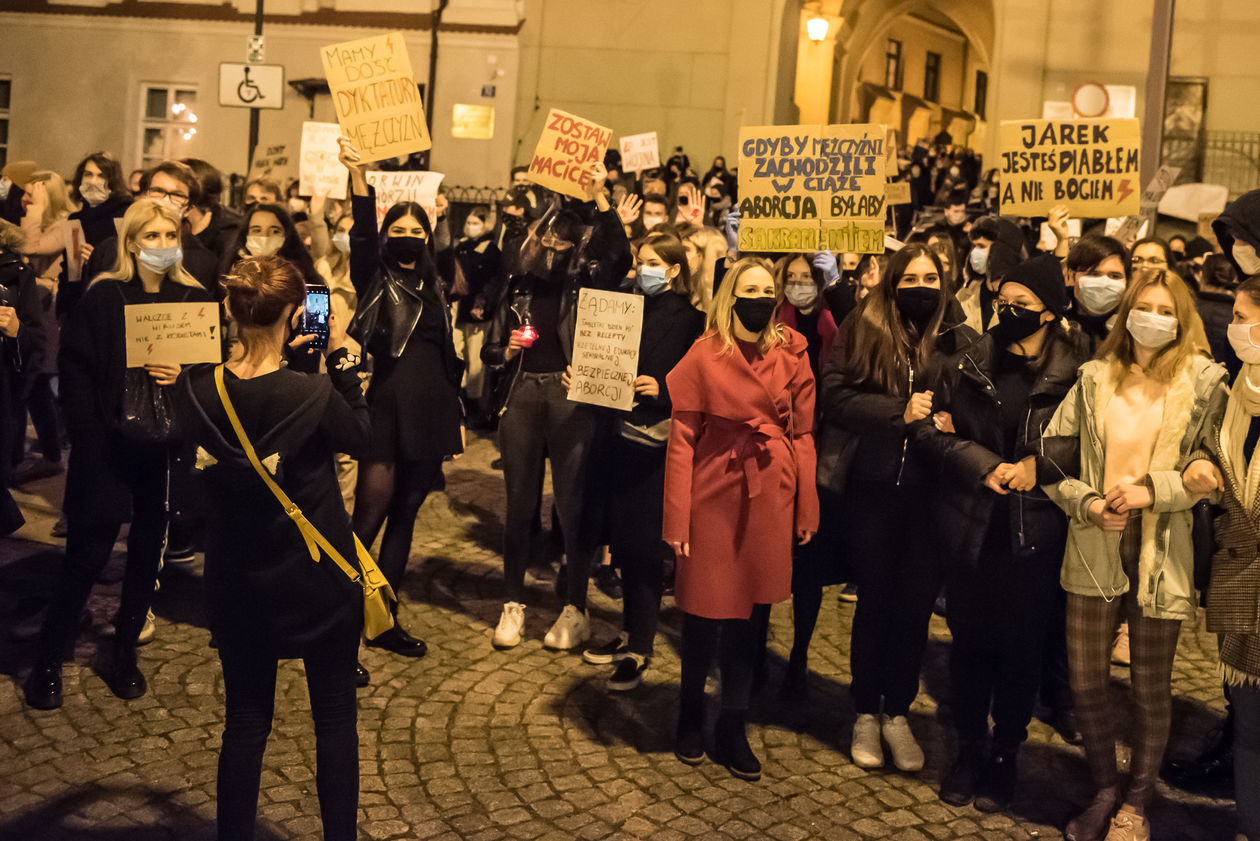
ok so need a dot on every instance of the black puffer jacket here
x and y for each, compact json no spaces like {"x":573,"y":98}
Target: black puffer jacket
{"x":965,"y":506}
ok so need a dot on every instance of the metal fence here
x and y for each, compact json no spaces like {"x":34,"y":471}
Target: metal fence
{"x":1231,"y":158}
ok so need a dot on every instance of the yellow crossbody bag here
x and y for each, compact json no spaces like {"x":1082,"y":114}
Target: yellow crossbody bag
{"x":378,"y":596}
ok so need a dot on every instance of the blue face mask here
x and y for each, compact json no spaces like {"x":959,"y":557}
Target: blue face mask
{"x":652,"y":280}
{"x":160,"y":259}
{"x":980,"y":260}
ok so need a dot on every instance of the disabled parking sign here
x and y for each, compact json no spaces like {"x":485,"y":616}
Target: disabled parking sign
{"x":251,"y":85}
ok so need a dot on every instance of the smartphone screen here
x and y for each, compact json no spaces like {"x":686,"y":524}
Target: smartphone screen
{"x":315,"y":319}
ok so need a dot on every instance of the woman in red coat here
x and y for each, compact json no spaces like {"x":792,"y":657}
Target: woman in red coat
{"x":739,"y":486}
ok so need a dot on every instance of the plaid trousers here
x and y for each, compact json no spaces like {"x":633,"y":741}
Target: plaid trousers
{"x":1091,"y":626}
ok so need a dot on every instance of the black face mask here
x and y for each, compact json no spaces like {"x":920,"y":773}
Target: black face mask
{"x":754,"y":313}
{"x":917,"y":304}
{"x":1014,"y":324}
{"x":405,"y":249}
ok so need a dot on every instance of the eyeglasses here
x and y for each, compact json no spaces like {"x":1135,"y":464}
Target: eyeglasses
{"x":1017,"y":310}
{"x":178,"y":199}
{"x":1139,"y":262}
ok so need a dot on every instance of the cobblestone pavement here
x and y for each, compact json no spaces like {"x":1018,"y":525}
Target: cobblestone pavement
{"x":471,"y":743}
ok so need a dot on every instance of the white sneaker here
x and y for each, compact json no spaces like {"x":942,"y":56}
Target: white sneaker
{"x":867,"y":750}
{"x":512,"y":621}
{"x":907,"y":755}
{"x":572,"y":629}
{"x":148,"y":631}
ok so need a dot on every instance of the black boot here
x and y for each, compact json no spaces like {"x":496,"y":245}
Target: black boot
{"x":731,"y":748}
{"x":959,"y":784}
{"x":689,"y":738}
{"x":1212,"y":771}
{"x":121,"y":672}
{"x":997,"y":783}
{"x":361,"y":676}
{"x":399,"y":641}
{"x":43,"y":687}
{"x":795,"y":687}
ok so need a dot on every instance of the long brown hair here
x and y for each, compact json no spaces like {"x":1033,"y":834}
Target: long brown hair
{"x":1191,"y":338}
{"x":885,"y":348}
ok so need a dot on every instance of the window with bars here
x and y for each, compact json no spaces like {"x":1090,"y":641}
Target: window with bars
{"x":168,"y":121}
{"x":892,"y":65}
{"x":932,"y":77}
{"x":6,"y":92}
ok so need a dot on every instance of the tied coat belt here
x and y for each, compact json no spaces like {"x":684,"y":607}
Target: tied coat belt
{"x":750,"y":447}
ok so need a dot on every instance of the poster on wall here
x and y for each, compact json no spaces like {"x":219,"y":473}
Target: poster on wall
{"x":1185,"y":104}
{"x":1092,"y":166}
{"x":812,"y":188}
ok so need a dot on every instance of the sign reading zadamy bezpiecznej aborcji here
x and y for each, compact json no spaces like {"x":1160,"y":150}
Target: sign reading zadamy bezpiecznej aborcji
{"x":810,"y":188}
{"x":1092,"y":166}
{"x":375,"y":95}
{"x":606,"y":348}
{"x":172,"y":334}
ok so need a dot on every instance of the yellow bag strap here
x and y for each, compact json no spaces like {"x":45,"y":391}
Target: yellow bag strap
{"x":314,"y":539}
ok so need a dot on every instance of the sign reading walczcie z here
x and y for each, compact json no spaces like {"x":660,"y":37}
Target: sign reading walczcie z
{"x":1092,"y":166}
{"x":810,"y":188}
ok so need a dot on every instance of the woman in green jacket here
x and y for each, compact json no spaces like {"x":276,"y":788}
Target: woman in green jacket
{"x":1134,"y":416}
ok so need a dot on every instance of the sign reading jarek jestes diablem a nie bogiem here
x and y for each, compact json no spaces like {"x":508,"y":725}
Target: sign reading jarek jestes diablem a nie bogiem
{"x":810,"y":188}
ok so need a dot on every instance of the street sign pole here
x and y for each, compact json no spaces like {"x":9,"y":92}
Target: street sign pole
{"x":253,"y":112}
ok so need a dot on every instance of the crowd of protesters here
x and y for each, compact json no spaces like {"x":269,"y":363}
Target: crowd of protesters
{"x":1048,"y":439}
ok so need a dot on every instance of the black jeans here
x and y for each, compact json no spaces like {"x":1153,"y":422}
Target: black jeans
{"x":733,"y":642}
{"x":249,"y":682}
{"x":636,"y":507}
{"x":999,"y":615}
{"x":541,"y":419}
{"x":88,"y":548}
{"x":899,"y":578}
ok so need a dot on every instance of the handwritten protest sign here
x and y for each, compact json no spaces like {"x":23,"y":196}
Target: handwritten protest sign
{"x":807,"y":188}
{"x":393,"y":187}
{"x":273,"y":161}
{"x":898,"y":192}
{"x":320,"y":173}
{"x":640,"y":152}
{"x":606,"y":348}
{"x":1092,"y":166}
{"x":567,"y":146}
{"x":75,"y":240}
{"x":375,"y":95}
{"x":172,"y":334}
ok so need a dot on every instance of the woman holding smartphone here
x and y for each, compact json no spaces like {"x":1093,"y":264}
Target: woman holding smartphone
{"x":404,"y":321}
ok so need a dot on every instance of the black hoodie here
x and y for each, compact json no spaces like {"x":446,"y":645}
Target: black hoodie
{"x":1239,"y":221}
{"x":262,"y":587}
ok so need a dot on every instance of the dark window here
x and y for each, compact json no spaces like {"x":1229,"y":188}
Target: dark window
{"x":6,"y":86}
{"x":892,"y":65}
{"x":982,"y":93}
{"x":932,"y":77}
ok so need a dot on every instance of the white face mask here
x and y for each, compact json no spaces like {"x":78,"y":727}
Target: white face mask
{"x":801,"y":295}
{"x":93,"y":194}
{"x":1151,"y":330}
{"x":341,"y":241}
{"x":1100,"y":294}
{"x":1240,"y":340}
{"x":259,"y":246}
{"x":1246,"y":258}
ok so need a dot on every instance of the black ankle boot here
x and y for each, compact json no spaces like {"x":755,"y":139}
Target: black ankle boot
{"x":997,"y":783}
{"x":122,"y":674}
{"x":399,"y":641}
{"x":689,"y":738}
{"x":795,"y":687}
{"x":958,"y":788}
{"x":43,"y":687}
{"x":1212,"y":771}
{"x":731,"y":748}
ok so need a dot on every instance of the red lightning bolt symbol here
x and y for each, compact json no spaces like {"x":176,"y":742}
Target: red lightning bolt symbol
{"x":1125,"y":189}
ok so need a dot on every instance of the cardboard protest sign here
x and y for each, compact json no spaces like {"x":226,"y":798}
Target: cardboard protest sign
{"x":806,"y":188}
{"x":393,"y":187}
{"x":375,"y":95}
{"x":75,"y":240}
{"x":1092,"y":166}
{"x":274,"y":161}
{"x":319,"y":172}
{"x":172,"y":334}
{"x":567,"y":146}
{"x":897,"y":192}
{"x":606,"y":348}
{"x":640,"y":152}
{"x":1130,"y":229}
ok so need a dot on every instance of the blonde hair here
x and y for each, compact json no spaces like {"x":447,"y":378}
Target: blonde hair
{"x":721,"y":320}
{"x":59,"y":205}
{"x":141,"y":213}
{"x":1191,"y":339}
